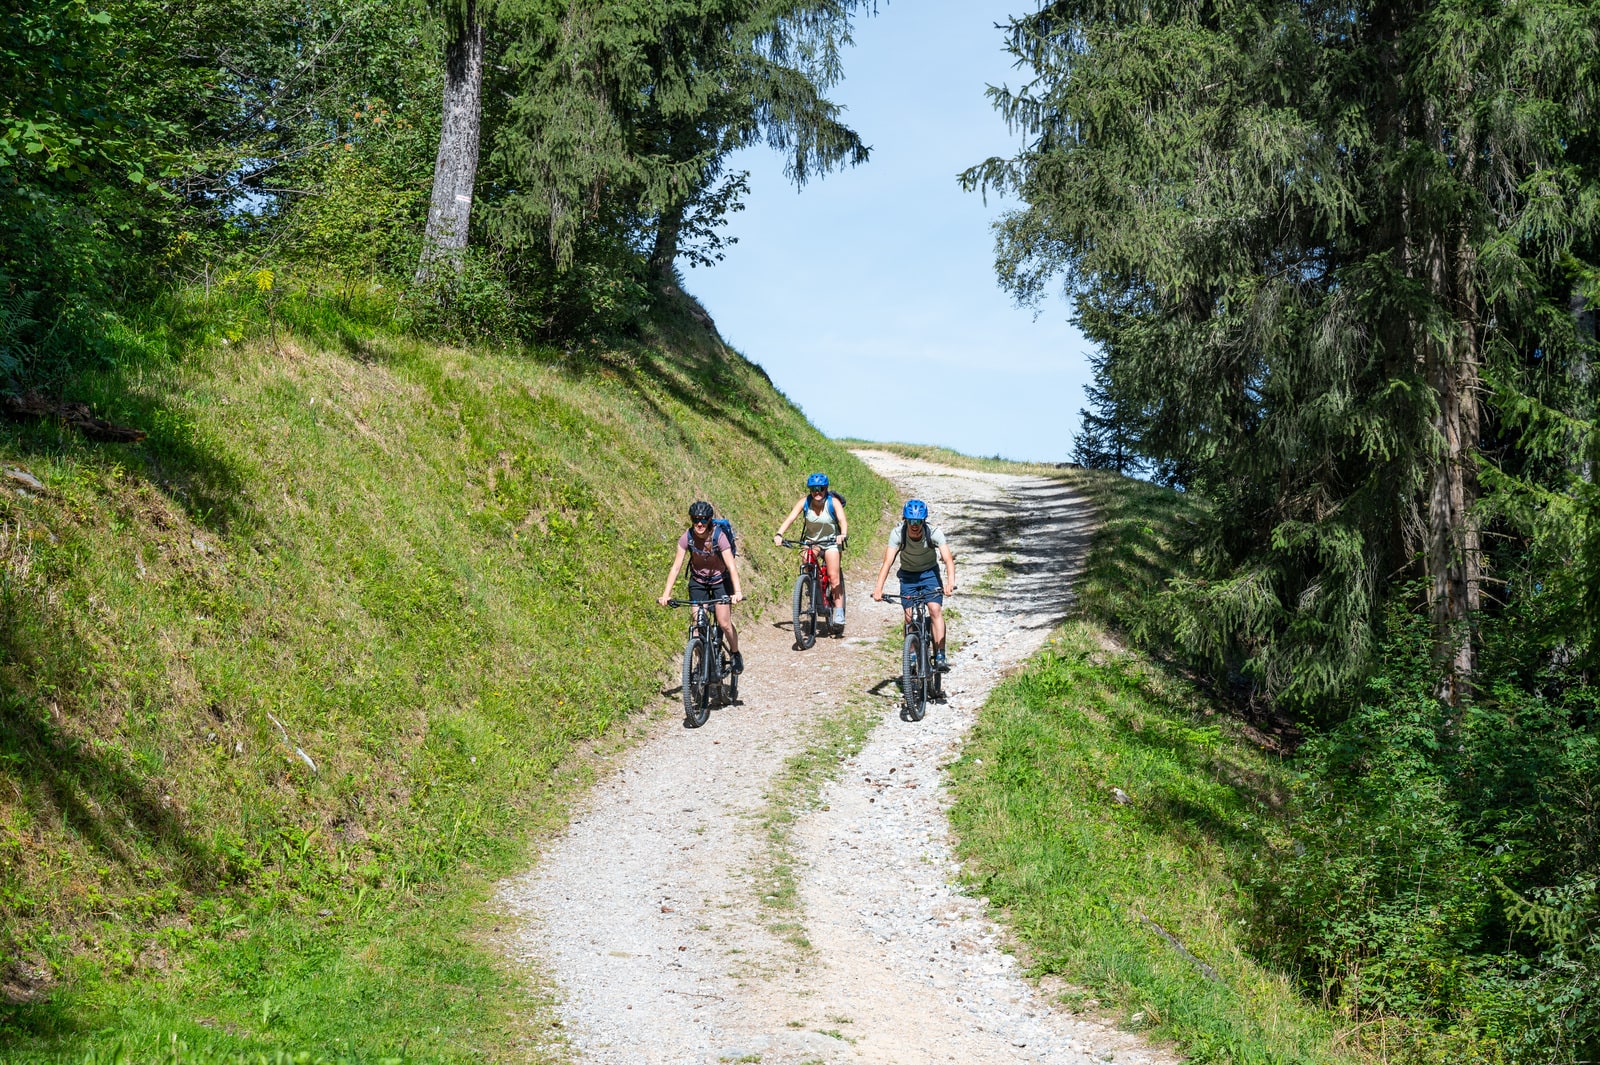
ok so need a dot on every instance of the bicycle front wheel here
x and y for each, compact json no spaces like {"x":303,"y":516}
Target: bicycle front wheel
{"x":913,"y":679}
{"x":805,"y":611}
{"x":695,"y":693}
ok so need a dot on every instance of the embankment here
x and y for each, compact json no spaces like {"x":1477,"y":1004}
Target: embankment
{"x":285,"y":685}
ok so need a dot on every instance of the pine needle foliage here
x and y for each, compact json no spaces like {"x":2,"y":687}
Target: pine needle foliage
{"x":622,"y":115}
{"x":1330,"y":252}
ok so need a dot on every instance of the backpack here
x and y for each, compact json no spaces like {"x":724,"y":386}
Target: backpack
{"x":905,"y":538}
{"x":725,"y":527}
{"x":832,"y":495}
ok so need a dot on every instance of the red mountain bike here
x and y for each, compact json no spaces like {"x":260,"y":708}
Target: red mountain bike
{"x":813,"y":592}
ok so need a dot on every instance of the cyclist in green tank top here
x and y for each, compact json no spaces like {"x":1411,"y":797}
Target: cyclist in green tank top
{"x":921,"y":547}
{"x":824,"y":515}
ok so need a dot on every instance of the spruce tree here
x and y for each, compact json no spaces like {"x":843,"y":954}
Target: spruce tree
{"x":622,"y":117}
{"x":1106,"y":438}
{"x":1319,"y":245}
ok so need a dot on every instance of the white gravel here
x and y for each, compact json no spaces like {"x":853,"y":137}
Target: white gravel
{"x":645,"y":912}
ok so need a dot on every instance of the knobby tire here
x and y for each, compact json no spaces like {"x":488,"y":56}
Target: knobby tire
{"x":695,"y":695}
{"x":805,"y":612}
{"x":913,"y":680}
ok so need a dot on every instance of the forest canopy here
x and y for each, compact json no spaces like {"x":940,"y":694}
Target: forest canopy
{"x":144,"y":146}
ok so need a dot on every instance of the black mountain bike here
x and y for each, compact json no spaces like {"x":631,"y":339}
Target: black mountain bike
{"x":919,"y":681}
{"x":811,"y":588}
{"x":707,"y":664}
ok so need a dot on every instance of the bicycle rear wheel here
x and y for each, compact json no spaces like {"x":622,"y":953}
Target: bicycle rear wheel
{"x":913,"y":679}
{"x":805,"y":611}
{"x":695,"y":695}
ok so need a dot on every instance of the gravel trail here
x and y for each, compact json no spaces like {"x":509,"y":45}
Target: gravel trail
{"x":646,"y":911}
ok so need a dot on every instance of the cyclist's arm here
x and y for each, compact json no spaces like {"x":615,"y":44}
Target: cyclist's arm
{"x":883,"y":572}
{"x":793,"y":514}
{"x":672,"y":578}
{"x":733,"y":572}
{"x":949,"y":568}
{"x":844,"y":522}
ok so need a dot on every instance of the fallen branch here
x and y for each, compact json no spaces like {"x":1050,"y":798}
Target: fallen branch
{"x":74,"y":415}
{"x":1172,"y":941}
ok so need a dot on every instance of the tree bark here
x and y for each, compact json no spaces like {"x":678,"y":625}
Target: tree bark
{"x":1453,"y":554}
{"x":665,"y":251}
{"x":455,"y":168}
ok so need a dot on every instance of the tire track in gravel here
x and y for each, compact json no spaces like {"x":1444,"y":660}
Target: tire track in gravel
{"x":646,"y":915}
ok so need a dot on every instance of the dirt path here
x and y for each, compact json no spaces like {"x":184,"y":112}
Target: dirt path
{"x":648,"y":911}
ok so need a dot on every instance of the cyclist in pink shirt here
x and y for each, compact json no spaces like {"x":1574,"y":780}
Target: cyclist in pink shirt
{"x":712,"y":570}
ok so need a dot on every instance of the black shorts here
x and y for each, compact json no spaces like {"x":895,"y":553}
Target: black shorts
{"x":704,"y":593}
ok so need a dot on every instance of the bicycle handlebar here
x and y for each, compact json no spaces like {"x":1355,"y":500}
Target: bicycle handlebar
{"x":702,"y":602}
{"x":825,"y":542}
{"x":909,"y":600}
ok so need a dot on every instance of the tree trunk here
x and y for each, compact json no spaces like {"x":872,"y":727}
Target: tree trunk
{"x":1453,"y":554}
{"x":455,"y":169}
{"x":665,"y":252}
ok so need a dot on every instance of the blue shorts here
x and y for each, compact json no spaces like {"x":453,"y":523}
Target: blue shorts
{"x":924,"y":586}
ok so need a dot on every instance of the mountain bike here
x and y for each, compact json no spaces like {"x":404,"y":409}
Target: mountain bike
{"x":707,"y":664}
{"x":813,"y":592}
{"x":919,"y":681}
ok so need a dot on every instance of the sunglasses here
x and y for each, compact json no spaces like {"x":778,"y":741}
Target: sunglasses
{"x":701,"y":521}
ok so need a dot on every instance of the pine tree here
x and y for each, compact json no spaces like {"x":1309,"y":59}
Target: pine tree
{"x":622,"y":117}
{"x":1106,"y":438}
{"x":1319,"y":244}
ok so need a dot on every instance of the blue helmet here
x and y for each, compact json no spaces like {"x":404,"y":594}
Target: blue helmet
{"x":817,"y":480}
{"x":916,"y":510}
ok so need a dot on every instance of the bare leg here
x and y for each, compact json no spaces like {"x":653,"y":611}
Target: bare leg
{"x":936,"y":616}
{"x":835,"y":577}
{"x":725,"y":622}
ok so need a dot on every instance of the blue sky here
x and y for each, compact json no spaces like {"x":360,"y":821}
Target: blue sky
{"x":870,"y":296}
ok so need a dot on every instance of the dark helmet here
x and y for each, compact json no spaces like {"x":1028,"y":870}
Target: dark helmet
{"x":817,"y":480}
{"x":916,"y":510}
{"x":700,"y":510}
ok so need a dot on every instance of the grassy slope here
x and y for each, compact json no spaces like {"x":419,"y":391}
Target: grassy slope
{"x":435,"y":567}
{"x":1083,"y":879}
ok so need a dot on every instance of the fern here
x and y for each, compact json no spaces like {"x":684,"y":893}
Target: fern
{"x":15,"y":320}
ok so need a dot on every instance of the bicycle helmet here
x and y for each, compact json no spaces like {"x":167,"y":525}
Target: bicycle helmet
{"x":700,"y":510}
{"x":916,"y":510}
{"x":817,"y":480}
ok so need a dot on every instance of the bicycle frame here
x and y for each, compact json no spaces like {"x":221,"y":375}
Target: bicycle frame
{"x":813,"y":585}
{"x":918,"y":677}
{"x":703,"y":676}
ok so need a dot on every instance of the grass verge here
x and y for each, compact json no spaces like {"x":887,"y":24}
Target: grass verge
{"x":946,"y":457}
{"x":1114,"y":821}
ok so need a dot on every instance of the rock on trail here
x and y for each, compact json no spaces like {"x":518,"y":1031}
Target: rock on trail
{"x":647,"y":915}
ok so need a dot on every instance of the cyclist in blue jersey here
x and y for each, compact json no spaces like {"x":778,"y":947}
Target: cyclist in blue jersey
{"x":713,"y":573}
{"x":921,"y":547}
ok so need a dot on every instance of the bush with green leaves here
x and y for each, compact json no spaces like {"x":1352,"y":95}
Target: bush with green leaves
{"x":1444,"y":861}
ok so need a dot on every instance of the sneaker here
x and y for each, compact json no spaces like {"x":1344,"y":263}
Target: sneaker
{"x":939,"y":663}
{"x":838,"y":617}
{"x":738,"y":663}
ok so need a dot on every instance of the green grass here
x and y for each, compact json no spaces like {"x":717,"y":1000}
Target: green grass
{"x":934,"y":453}
{"x":1084,"y":880}
{"x":435,"y":567}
